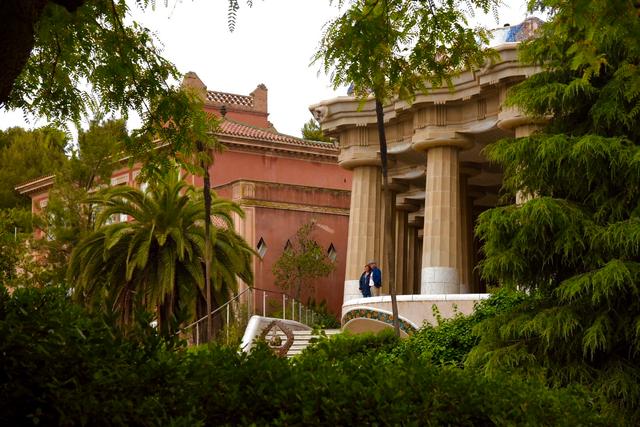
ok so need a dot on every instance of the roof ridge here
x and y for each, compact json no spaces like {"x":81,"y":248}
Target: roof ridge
{"x":229,"y":93}
{"x":275,"y":132}
{"x":256,"y":127}
{"x":230,"y":98}
{"x":269,"y":134}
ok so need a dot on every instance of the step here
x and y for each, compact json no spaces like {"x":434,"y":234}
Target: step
{"x":302,"y":339}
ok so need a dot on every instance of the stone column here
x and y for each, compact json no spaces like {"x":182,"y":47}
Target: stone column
{"x":383,"y":262}
{"x":466,"y":221}
{"x":441,"y":223}
{"x":364,"y":226}
{"x":512,"y":119}
{"x":401,"y":253}
{"x":410,"y":264}
{"x":463,"y":259}
{"x":417,"y":271}
{"x":442,"y":218}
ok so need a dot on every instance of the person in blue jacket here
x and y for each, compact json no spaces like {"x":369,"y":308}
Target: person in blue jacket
{"x":376,"y":274}
{"x":364,"y":282}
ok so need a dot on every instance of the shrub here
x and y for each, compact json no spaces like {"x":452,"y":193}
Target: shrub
{"x":62,"y":366}
{"x":450,"y":340}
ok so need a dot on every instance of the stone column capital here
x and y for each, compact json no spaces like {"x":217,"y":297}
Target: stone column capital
{"x":510,"y":118}
{"x":354,"y":156}
{"x":438,"y":136}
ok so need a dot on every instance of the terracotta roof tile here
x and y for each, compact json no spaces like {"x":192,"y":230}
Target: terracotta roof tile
{"x":230,"y":98}
{"x":233,"y":128}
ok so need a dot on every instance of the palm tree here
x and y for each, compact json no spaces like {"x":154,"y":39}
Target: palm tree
{"x":156,"y":261}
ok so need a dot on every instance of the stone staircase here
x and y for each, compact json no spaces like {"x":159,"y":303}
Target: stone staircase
{"x":301,"y":339}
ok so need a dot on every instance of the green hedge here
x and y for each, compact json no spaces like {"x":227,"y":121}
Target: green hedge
{"x":61,"y":366}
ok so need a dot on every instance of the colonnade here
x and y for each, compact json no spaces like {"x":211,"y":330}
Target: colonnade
{"x":438,"y":255}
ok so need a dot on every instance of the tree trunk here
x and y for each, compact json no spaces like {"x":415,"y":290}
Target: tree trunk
{"x":388,"y":220}
{"x":207,"y":242}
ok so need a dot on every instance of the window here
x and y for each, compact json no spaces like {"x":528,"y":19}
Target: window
{"x":120,"y":180}
{"x":288,"y":246}
{"x":332,"y":253}
{"x":262,"y":248}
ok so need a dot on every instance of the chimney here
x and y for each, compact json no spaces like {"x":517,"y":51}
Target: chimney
{"x":191,"y":80}
{"x":259,"y":95}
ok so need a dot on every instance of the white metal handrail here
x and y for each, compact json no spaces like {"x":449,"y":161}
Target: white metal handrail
{"x":216,"y":310}
{"x":309,"y":314}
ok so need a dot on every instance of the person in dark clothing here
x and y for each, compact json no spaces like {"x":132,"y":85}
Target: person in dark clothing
{"x":365,"y":278}
{"x":376,"y":274}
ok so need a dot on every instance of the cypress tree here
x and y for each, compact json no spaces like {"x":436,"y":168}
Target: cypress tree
{"x":575,"y":244}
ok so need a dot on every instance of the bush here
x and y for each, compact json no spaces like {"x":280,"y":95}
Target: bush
{"x":61,"y":366}
{"x":450,"y":340}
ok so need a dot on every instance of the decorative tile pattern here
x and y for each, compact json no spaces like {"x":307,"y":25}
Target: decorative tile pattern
{"x":365,"y":313}
{"x":230,"y":98}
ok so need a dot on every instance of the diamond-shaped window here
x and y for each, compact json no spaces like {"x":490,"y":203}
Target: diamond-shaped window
{"x":262,"y":248}
{"x":332,"y":253}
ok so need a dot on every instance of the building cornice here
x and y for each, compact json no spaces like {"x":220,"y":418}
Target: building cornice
{"x":35,"y":185}
{"x":292,"y":207}
{"x":346,"y":111}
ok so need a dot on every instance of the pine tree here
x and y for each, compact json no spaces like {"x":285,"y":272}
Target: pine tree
{"x":575,"y":245}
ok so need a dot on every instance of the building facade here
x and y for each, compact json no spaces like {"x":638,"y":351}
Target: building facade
{"x":280,"y":181}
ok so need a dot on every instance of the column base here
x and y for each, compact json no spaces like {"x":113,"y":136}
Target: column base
{"x":439,"y":280}
{"x":351,"y":290}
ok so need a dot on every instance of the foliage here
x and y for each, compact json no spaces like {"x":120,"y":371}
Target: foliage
{"x":63,"y":366}
{"x":67,"y":218}
{"x":71,"y":59}
{"x":15,"y":224}
{"x":93,"y":43}
{"x":323,"y":318}
{"x":449,"y":342}
{"x":398,"y":47}
{"x":312,"y":131}
{"x":155,"y":261}
{"x":25,"y":155}
{"x":576,"y":244}
{"x":302,"y":261}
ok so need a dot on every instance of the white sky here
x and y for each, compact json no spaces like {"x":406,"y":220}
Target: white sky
{"x":272,"y":44}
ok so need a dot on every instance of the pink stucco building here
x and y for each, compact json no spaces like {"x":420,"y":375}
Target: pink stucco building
{"x":280,"y":181}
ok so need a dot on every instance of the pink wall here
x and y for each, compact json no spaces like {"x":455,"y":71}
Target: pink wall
{"x":276,"y":226}
{"x":233,"y":165}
